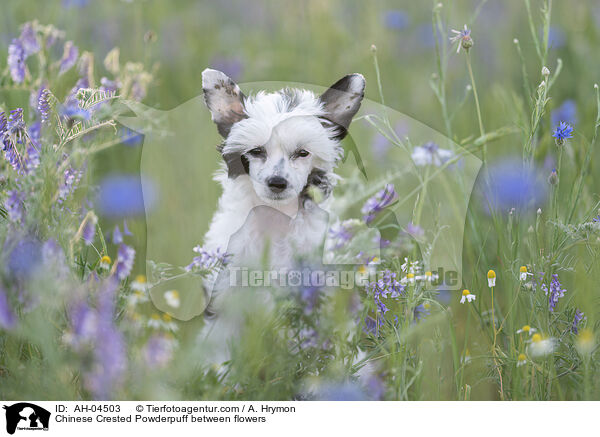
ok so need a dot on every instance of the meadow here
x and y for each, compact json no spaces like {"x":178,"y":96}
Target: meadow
{"x":475,"y":149}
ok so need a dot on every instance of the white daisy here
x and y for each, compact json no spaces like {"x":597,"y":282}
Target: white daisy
{"x":172,"y":298}
{"x":467,"y":296}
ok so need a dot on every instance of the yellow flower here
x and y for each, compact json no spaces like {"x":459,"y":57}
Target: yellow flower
{"x":523,"y":273}
{"x":585,"y":342}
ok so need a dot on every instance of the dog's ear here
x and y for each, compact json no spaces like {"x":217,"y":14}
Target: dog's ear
{"x":342,"y":100}
{"x":224,"y":99}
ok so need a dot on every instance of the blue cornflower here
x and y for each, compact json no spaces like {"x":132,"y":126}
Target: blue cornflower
{"x":395,"y":19}
{"x":124,"y":195}
{"x":576,"y":320}
{"x":566,"y":112}
{"x":125,"y":258}
{"x":16,"y":60}
{"x":562,"y":132}
{"x":374,"y":205}
{"x":463,"y":37}
{"x":69,"y":57}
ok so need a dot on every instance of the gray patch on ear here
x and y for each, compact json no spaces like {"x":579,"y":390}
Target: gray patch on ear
{"x":342,"y":100}
{"x":224,"y":99}
{"x":237,"y":164}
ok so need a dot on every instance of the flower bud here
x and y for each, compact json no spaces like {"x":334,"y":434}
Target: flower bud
{"x":553,"y":178}
{"x":545,"y":71}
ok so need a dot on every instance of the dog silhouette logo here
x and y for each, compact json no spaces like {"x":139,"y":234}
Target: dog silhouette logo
{"x":26,"y":416}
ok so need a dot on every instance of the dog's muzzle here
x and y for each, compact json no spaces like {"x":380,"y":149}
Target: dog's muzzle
{"x":277,"y":184}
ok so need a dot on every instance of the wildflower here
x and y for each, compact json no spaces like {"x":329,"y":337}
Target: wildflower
{"x":513,"y":185}
{"x":105,"y":262}
{"x":24,"y":258}
{"x":208,"y":259}
{"x":172,"y":298}
{"x":410,"y":277}
{"x":463,"y":38}
{"x":562,"y":132}
{"x":88,"y":228}
{"x":117,"y":237}
{"x":341,"y":233}
{"x":14,"y":206}
{"x":521,"y":360}
{"x":554,"y":293}
{"x":7,"y":317}
{"x":577,"y":319}
{"x":540,"y":346}
{"x":43,"y":105}
{"x":526,"y":329}
{"x":125,"y":258}
{"x":69,"y":57}
{"x":467,"y":296}
{"x":154,"y":321}
{"x":387,"y":285}
{"x":415,"y":231}
{"x":421,"y":311}
{"x":346,"y":391}
{"x":309,"y":297}
{"x":139,"y":284}
{"x":168,"y":323}
{"x":491,"y":275}
{"x":430,"y":154}
{"x":466,"y":358}
{"x":158,"y":351}
{"x":395,"y":19}
{"x":231,"y":66}
{"x":523,"y":273}
{"x":29,"y":39}
{"x":585,"y":342}
{"x":123,"y":195}
{"x":71,"y":178}
{"x":374,"y":205}
{"x":553,"y":178}
{"x":545,"y":71}
{"x":566,"y":112}
{"x":428,"y":276}
{"x":16,"y":61}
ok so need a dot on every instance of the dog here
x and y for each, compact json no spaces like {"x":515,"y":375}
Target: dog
{"x":279,"y":151}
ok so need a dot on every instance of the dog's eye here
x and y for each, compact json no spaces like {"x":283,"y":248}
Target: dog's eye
{"x":301,"y":153}
{"x":257,"y":151}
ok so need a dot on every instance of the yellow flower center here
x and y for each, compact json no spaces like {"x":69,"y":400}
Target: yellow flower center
{"x":521,"y":357}
{"x":427,"y":273}
{"x":174,"y":294}
{"x":410,"y":275}
{"x":526,"y":328}
{"x":105,"y":259}
{"x":375,"y":259}
{"x":155,"y":316}
{"x":523,"y":269}
{"x":167,"y":317}
{"x":426,"y":306}
{"x":536,"y":338}
{"x":362,"y":269}
{"x":466,"y":292}
{"x":491,"y":274}
{"x":141,"y":279}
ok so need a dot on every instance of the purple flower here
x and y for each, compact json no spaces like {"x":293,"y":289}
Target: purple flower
{"x":415,"y":231}
{"x":378,"y":203}
{"x":24,"y":258}
{"x":395,"y":19}
{"x":208,"y":259}
{"x":130,"y":138}
{"x":29,"y":39}
{"x":386,"y":286}
{"x":309,"y":296}
{"x":7,"y":317}
{"x":121,"y":196}
{"x":579,"y":316}
{"x":158,"y":351}
{"x":341,"y":233}
{"x":231,"y":66}
{"x":14,"y":206}
{"x":69,"y":57}
{"x":43,"y":105}
{"x":125,"y":258}
{"x":566,"y":112}
{"x":596,"y":219}
{"x":109,"y":85}
{"x":89,"y":229}
{"x":554,"y":293}
{"x":556,"y":37}
{"x":511,"y":185}
{"x":16,"y":60}
{"x":117,"y":237}
{"x":71,"y":178}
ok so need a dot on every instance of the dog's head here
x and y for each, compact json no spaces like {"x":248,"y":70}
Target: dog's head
{"x":286,"y":141}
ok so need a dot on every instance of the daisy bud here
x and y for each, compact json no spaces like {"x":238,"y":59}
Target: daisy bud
{"x":373,"y":48}
{"x":491,"y":275}
{"x":545,"y":72}
{"x":515,"y":41}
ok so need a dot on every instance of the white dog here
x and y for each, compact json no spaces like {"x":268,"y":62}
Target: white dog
{"x":280,"y":150}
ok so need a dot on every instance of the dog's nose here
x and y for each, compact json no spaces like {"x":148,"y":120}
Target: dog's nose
{"x":277,"y":184}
